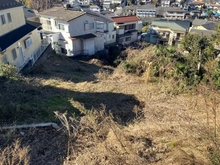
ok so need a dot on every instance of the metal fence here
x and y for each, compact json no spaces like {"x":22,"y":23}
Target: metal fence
{"x":36,"y":54}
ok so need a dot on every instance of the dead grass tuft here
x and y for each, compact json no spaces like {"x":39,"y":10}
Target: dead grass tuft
{"x":14,"y":155}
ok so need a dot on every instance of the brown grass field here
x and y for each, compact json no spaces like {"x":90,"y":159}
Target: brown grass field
{"x":113,"y":118}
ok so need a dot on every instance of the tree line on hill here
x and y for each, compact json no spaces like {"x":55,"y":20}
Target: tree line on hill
{"x":39,"y":4}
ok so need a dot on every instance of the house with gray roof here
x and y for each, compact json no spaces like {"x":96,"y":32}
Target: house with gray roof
{"x":207,"y":33}
{"x":198,"y":22}
{"x":203,"y":27}
{"x":77,"y":32}
{"x":170,"y":31}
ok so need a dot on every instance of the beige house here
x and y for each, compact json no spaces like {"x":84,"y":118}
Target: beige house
{"x":170,"y":32}
{"x":20,"y":41}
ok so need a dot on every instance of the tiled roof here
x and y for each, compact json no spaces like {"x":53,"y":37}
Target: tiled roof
{"x":62,"y":14}
{"x":177,"y":11}
{"x":85,"y":36}
{"x":99,"y":17}
{"x":181,"y":25}
{"x":198,"y":22}
{"x":29,"y":13}
{"x":15,"y":35}
{"x":6,"y":4}
{"x":124,"y":19}
{"x":210,"y":25}
{"x":207,"y":33}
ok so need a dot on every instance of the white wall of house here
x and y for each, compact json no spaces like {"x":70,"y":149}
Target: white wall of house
{"x":134,"y":36}
{"x":82,"y":25}
{"x":146,"y":12}
{"x":77,"y":45}
{"x":99,"y":43}
{"x":85,"y":24}
{"x":119,"y":27}
{"x":89,"y":46}
{"x":110,"y":35}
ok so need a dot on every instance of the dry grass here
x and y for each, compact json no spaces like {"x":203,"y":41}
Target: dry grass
{"x":162,"y":129}
{"x":14,"y":155}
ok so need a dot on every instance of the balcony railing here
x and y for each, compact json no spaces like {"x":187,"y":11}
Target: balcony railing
{"x":36,"y":54}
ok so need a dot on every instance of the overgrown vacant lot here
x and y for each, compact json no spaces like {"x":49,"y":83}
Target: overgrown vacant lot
{"x":125,"y":118}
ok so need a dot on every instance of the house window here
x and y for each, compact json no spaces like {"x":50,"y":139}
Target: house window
{"x":3,"y":19}
{"x":89,"y":26}
{"x":128,"y":39}
{"x":28,"y":42}
{"x":14,"y":54}
{"x":129,"y":27}
{"x":9,"y":17}
{"x":86,"y":26}
{"x":48,"y":22}
{"x":100,"y":26}
{"x":109,"y":36}
{"x":61,"y":27}
{"x":113,"y":36}
{"x":55,"y":23}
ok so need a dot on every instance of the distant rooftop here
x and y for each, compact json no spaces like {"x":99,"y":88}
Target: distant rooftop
{"x":123,"y":19}
{"x":63,"y":14}
{"x":182,"y":25}
{"x":208,"y":33}
{"x":198,"y":22}
{"x":7,"y":4}
{"x":210,"y":25}
{"x":176,"y":11}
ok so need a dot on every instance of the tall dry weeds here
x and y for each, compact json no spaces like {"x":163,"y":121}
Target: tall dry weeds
{"x":14,"y":155}
{"x":100,"y":140}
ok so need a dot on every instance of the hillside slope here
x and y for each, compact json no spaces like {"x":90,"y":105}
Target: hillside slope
{"x":125,"y":119}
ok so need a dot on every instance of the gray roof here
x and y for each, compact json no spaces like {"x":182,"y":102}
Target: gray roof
{"x":148,"y":6}
{"x":161,"y":10}
{"x":99,"y":17}
{"x":179,"y":25}
{"x":29,"y":13}
{"x":62,"y":14}
{"x":210,"y":25}
{"x":176,"y":11}
{"x":198,"y":22}
{"x":208,"y":33}
{"x":7,"y":4}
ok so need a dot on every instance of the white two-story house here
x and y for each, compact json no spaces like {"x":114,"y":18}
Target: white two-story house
{"x":146,"y":11}
{"x":126,"y":29}
{"x":20,"y":41}
{"x":74,"y":32}
{"x":175,"y":14}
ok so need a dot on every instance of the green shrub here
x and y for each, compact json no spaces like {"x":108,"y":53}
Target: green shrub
{"x":8,"y":71}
